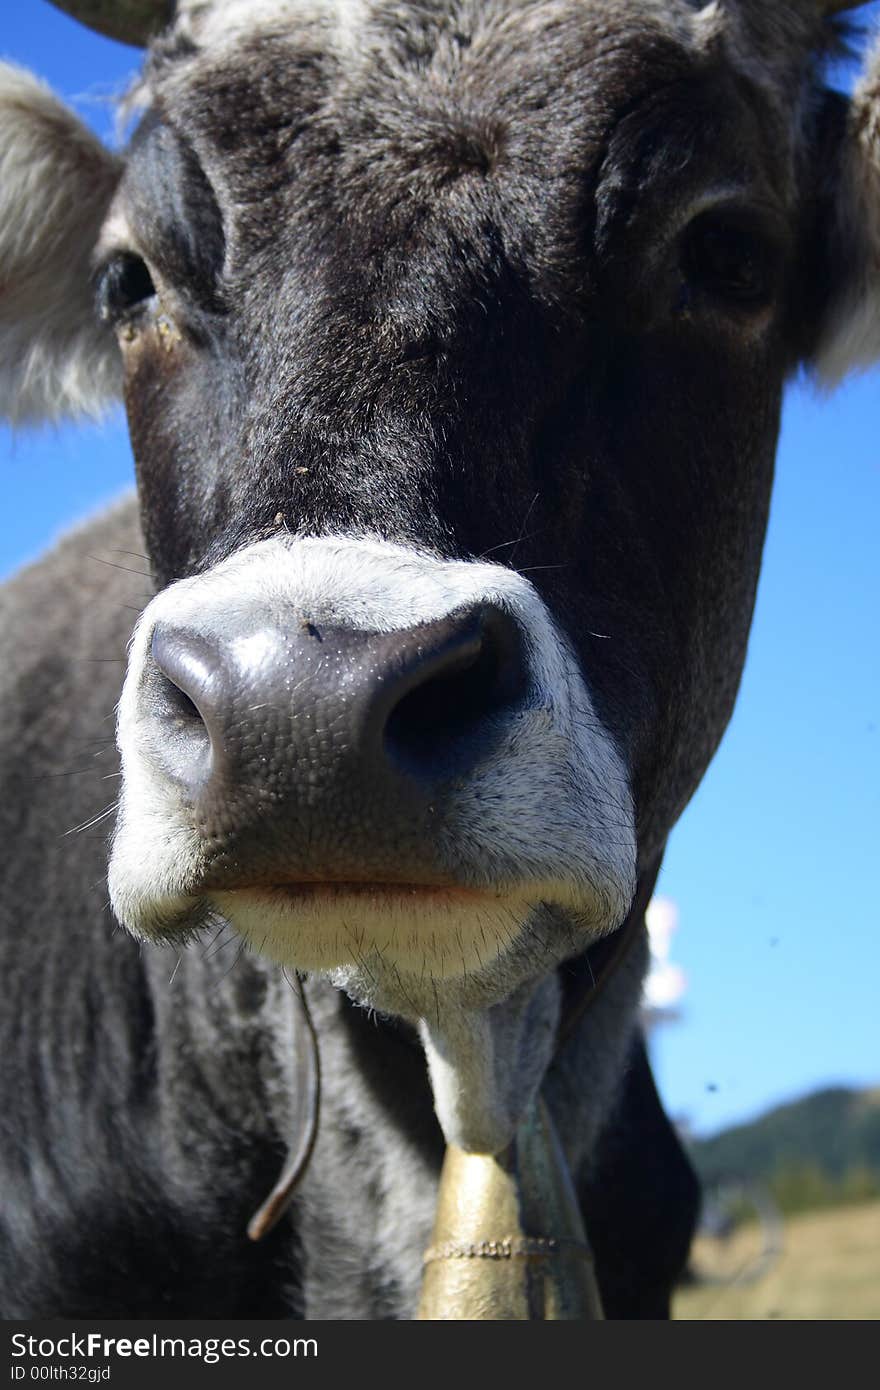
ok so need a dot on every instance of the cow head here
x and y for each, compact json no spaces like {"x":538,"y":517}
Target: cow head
{"x":452,"y":339}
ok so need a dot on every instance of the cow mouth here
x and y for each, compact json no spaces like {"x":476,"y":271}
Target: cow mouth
{"x":325,"y":892}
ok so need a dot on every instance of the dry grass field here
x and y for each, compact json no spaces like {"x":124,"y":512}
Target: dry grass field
{"x":829,"y":1267}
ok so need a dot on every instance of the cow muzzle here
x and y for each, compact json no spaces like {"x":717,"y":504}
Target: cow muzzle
{"x":363,"y":756}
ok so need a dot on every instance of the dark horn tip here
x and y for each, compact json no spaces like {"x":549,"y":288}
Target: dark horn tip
{"x":134,"y":22}
{"x":830,"y":7}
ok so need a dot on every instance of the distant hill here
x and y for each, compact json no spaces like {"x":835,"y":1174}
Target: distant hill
{"x":816,"y":1151}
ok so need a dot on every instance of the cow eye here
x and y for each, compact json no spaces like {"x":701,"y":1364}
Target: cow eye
{"x":728,"y":260}
{"x":124,"y":285}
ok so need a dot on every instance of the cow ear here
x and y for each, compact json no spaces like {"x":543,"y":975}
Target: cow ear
{"x":850,"y":334}
{"x":56,"y":181}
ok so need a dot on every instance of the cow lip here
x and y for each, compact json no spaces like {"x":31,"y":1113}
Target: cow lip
{"x":328,"y":890}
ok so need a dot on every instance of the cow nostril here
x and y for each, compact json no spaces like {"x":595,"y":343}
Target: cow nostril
{"x":179,"y":706}
{"x":461,"y":696}
{"x":181,"y":674}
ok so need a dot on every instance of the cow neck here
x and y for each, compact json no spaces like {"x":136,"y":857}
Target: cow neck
{"x":583,"y":981}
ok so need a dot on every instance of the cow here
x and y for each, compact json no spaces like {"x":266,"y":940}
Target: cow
{"x":452,"y":338}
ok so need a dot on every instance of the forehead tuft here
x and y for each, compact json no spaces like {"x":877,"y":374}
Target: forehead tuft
{"x":343,"y":25}
{"x":433,"y":43}
{"x":766,"y":44}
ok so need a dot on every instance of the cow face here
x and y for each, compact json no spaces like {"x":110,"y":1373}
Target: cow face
{"x":453,"y":341}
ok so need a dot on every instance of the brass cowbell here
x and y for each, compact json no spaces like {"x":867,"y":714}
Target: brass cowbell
{"x":509,"y":1242}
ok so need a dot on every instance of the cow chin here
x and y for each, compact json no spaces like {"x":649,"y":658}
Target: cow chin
{"x":434,"y":933}
{"x":399,"y":948}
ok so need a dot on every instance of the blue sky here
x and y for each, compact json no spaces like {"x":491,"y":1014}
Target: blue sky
{"x":774,"y":865}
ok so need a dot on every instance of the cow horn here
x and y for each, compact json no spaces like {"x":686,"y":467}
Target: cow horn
{"x":129,"y":21}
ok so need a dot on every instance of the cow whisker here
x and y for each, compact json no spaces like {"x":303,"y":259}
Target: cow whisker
{"x":93,"y":820}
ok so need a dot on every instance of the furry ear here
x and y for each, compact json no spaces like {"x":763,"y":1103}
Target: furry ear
{"x":56,"y":181}
{"x":851,"y":336}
